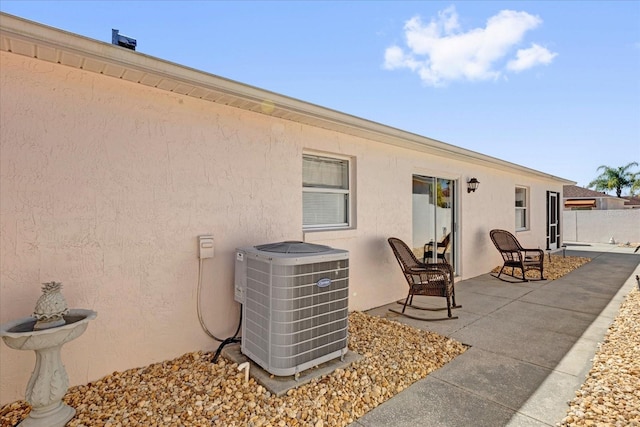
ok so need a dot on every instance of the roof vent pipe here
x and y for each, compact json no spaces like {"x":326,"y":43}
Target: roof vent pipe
{"x":124,"y":41}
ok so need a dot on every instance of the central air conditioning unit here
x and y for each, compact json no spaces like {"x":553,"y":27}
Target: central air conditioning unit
{"x":295,"y":299}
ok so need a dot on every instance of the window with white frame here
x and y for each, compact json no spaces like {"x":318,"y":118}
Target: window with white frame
{"x":326,"y":196}
{"x":522,"y":215}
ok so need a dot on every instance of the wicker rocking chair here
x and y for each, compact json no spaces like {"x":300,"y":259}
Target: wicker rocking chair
{"x":515,"y":256}
{"x":424,"y":279}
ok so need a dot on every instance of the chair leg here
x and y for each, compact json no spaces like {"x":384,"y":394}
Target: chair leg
{"x":448,"y":307}
{"x":500,"y":271}
{"x":404,"y":307}
{"x":453,"y":300}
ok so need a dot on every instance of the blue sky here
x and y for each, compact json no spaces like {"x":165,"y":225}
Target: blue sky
{"x":554,"y":86}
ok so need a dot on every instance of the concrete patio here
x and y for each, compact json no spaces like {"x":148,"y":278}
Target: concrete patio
{"x":531,"y":345}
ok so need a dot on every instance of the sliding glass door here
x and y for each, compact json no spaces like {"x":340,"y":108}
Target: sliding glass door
{"x":434,"y":219}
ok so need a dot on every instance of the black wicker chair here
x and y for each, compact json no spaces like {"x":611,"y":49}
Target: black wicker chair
{"x":515,"y":256}
{"x":435,"y":279}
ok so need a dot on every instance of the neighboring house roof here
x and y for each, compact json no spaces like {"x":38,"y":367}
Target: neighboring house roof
{"x":42,"y":42}
{"x":632,"y":201}
{"x":579,"y":197}
{"x":575,"y":192}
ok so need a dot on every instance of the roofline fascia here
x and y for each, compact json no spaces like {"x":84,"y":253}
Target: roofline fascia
{"x":43,"y":35}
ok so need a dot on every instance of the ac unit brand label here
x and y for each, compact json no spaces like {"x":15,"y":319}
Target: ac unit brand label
{"x":323,"y":283}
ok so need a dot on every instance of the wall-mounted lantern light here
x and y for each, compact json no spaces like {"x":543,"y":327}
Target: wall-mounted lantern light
{"x":472,"y":185}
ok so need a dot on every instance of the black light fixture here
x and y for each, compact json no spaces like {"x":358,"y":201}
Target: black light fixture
{"x":472,"y":185}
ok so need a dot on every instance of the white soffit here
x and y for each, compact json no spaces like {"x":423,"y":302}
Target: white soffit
{"x":49,"y":44}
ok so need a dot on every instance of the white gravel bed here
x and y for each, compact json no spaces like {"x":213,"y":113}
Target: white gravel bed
{"x":610,"y":395}
{"x":192,"y":391}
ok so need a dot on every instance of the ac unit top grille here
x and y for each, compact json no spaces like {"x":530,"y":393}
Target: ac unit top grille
{"x":294,"y":247}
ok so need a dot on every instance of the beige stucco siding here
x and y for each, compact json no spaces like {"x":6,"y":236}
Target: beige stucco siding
{"x":106,"y":184}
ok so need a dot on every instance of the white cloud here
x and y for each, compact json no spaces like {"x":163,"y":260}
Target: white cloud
{"x":528,"y":58}
{"x":441,"y":51}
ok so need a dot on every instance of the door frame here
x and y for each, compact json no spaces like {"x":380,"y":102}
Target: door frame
{"x":455,"y":200}
{"x":553,"y":228}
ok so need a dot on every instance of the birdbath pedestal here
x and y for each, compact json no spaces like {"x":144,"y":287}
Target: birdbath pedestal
{"x":49,"y":381}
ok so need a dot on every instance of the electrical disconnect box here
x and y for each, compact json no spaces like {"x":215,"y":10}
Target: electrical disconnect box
{"x":205,"y":246}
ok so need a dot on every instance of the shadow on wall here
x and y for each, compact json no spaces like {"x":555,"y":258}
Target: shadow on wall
{"x":380,"y":250}
{"x":481,"y":239}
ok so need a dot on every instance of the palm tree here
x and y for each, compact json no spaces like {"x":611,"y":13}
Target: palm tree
{"x":635,"y":184}
{"x":614,"y":178}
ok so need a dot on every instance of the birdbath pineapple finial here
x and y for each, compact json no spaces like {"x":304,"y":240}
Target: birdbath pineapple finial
{"x":50,"y":307}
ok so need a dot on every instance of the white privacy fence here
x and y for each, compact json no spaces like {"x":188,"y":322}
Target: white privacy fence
{"x":599,"y":226}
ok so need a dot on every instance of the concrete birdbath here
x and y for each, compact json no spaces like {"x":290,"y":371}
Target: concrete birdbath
{"x":51,"y":326}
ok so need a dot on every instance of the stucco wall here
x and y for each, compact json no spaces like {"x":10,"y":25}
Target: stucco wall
{"x":105,"y":186}
{"x":599,"y":226}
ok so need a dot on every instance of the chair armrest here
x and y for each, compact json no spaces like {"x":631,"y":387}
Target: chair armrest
{"x":538,"y":252}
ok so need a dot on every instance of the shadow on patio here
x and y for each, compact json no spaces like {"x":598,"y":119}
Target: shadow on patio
{"x":531,"y":346}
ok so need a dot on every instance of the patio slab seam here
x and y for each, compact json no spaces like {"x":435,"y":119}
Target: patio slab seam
{"x":561,"y":308}
{"x":476,"y":394}
{"x":438,"y":375}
